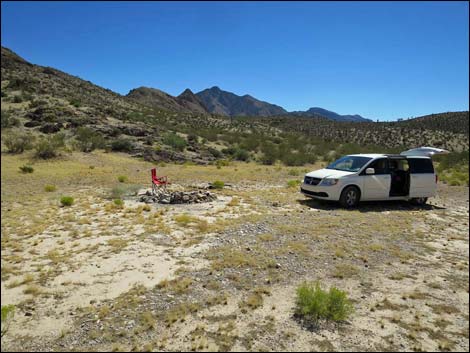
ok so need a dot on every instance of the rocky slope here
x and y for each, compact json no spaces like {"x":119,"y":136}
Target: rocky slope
{"x":226,"y":103}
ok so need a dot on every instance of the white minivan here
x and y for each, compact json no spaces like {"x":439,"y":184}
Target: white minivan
{"x":373,"y":177}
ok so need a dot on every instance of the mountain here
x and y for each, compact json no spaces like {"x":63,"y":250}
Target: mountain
{"x":190,"y":101}
{"x":313,"y":112}
{"x":226,"y":103}
{"x":186,"y":102}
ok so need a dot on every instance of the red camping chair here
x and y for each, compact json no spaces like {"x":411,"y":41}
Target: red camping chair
{"x":158,"y":181}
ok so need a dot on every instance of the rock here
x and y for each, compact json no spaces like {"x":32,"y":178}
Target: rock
{"x":50,"y":128}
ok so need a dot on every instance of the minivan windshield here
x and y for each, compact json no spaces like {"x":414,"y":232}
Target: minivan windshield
{"x":349,"y":163}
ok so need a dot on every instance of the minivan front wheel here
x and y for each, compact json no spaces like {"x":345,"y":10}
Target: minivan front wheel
{"x":350,"y":197}
{"x":419,"y":201}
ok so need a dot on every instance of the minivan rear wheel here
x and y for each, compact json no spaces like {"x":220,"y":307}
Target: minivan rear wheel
{"x":419,"y":201}
{"x":350,"y":197}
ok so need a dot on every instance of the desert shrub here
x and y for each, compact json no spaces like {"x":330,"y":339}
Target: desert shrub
{"x":293,"y":172}
{"x":175,"y":141}
{"x":192,"y":138}
{"x":49,"y":188}
{"x":17,"y":99}
{"x":26,"y":169}
{"x":314,"y":304}
{"x":118,"y":202}
{"x":222,"y":163}
{"x":122,"y":145}
{"x":7,"y":120}
{"x":48,"y":147}
{"x":75,"y":102}
{"x":241,"y":155}
{"x":293,"y":183}
{"x":17,"y":142}
{"x":88,"y":140}
{"x":8,"y":312}
{"x":214,"y":152}
{"x":122,"y":178}
{"x":218,"y":184}
{"x":66,"y":200}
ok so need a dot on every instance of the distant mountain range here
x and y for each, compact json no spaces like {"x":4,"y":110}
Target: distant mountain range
{"x":216,"y":101}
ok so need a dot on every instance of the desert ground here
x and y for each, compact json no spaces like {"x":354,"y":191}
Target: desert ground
{"x":222,"y":275}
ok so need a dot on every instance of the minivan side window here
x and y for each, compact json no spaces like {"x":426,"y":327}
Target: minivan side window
{"x":420,"y":165}
{"x":380,"y":166}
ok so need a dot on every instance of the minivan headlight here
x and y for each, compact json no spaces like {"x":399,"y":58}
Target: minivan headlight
{"x":329,"y":182}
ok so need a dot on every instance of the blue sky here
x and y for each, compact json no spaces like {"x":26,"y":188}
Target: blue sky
{"x":384,"y":60}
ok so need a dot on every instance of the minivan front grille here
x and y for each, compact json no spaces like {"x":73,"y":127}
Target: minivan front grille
{"x":311,"y":180}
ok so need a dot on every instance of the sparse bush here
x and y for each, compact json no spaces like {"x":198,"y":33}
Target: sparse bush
{"x":314,"y":304}
{"x":218,"y":184}
{"x":17,"y":142}
{"x":122,"y":145}
{"x":222,"y":163}
{"x":26,"y":169}
{"x":8,"y":312}
{"x":122,"y":178}
{"x":124,"y":190}
{"x":49,"y":188}
{"x":66,"y":200}
{"x":75,"y":102}
{"x":48,"y":147}
{"x":175,"y":141}
{"x":7,"y":120}
{"x":293,"y":183}
{"x":88,"y":140}
{"x":118,"y":202}
{"x":214,"y":152}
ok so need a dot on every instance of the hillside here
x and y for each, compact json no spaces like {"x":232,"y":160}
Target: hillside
{"x":151,"y":124}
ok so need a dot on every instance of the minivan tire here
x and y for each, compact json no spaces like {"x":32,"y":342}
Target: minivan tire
{"x":350,"y":197}
{"x":419,"y":201}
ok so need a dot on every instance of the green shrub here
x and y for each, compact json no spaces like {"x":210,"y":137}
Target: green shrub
{"x":8,"y":312}
{"x":314,"y":304}
{"x":122,"y":145}
{"x":293,"y":183}
{"x":75,"y":102}
{"x":215,"y":153}
{"x":222,"y":163}
{"x":7,"y":120}
{"x":17,"y":99}
{"x":49,"y":188}
{"x":26,"y":169}
{"x":66,"y":200}
{"x":17,"y":142}
{"x":48,"y":147}
{"x":175,"y":141}
{"x":88,"y":140}
{"x":218,"y":184}
{"x":118,"y":202}
{"x":122,"y":178}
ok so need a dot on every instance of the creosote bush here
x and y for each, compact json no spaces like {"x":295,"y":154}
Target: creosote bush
{"x":175,"y":141}
{"x":49,"y":188}
{"x":66,"y":200}
{"x":48,"y":147}
{"x":16,"y":142}
{"x":218,"y":184}
{"x":314,"y":304}
{"x":122,"y":179}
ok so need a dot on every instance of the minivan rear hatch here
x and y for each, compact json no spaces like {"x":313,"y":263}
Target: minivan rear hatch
{"x":424,"y":151}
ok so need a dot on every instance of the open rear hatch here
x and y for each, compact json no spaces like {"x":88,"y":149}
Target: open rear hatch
{"x":424,"y":151}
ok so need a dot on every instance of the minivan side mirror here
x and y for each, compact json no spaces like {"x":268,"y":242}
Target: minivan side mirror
{"x":370,"y":171}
